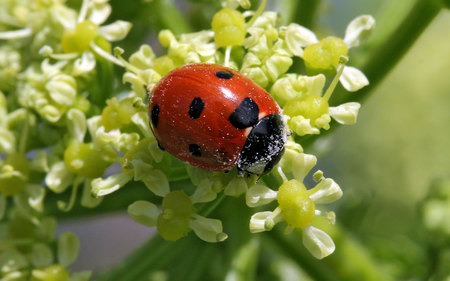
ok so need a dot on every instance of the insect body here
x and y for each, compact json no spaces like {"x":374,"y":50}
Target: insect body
{"x":216,"y":118}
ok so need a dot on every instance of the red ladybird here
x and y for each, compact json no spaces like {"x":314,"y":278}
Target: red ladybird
{"x":213,"y":117}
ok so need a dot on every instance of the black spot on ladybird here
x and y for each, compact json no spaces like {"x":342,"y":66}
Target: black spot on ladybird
{"x":155,"y":115}
{"x":195,"y":150}
{"x":161,"y":147}
{"x":224,"y":74}
{"x":245,"y":115}
{"x":196,"y":108}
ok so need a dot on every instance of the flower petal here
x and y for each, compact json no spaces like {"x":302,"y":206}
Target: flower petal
{"x":209,"y":230}
{"x":154,"y":179}
{"x":76,"y":124}
{"x":258,"y":222}
{"x":59,"y":177}
{"x":144,"y":212}
{"x":100,"y":13}
{"x":259,"y":195}
{"x":318,"y":243}
{"x":68,"y":247}
{"x":346,"y":113}
{"x":115,"y":31}
{"x":84,"y":64}
{"x":352,"y":79}
{"x":326,"y":191}
{"x":297,"y":37}
{"x":203,"y":192}
{"x":104,"y":186}
{"x":302,"y":164}
{"x":236,"y":187}
{"x":358,"y":29}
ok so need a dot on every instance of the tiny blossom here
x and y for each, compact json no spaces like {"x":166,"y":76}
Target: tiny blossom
{"x":299,"y":37}
{"x":308,"y":110}
{"x":267,"y":57}
{"x":176,"y":218}
{"x":296,"y":205}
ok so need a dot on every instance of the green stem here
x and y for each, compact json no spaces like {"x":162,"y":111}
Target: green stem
{"x":384,"y":54}
{"x":170,"y":17}
{"x":306,"y":14}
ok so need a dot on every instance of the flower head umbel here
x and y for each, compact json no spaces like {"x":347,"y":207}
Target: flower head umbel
{"x":297,"y":205}
{"x":64,"y":127}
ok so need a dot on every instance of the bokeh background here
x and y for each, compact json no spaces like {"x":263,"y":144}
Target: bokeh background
{"x":386,"y":163}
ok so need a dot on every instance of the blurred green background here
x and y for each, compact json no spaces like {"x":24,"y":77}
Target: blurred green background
{"x":386,"y":163}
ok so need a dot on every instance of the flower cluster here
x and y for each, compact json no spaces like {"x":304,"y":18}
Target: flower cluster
{"x":62,"y":129}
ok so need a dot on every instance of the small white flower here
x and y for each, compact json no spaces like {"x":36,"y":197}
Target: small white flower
{"x":298,"y":37}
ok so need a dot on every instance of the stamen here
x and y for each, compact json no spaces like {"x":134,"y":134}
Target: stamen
{"x":67,"y":206}
{"x":83,"y":11}
{"x":342,"y":61}
{"x":258,"y":12}
{"x":282,"y":175}
{"x":99,"y":51}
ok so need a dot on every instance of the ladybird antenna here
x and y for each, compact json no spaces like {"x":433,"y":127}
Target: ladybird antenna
{"x":257,"y":13}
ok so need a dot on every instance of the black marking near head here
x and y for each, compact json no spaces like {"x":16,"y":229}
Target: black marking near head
{"x":195,"y":150}
{"x":155,"y":115}
{"x":196,"y":108}
{"x":264,"y":146}
{"x":224,"y":74}
{"x":245,"y":115}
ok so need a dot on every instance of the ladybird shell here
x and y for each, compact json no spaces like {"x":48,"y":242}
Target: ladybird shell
{"x":203,"y":114}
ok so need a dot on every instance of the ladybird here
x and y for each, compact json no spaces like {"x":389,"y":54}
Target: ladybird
{"x":215,"y":118}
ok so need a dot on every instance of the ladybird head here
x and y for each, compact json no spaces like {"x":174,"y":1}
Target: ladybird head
{"x":264,"y":146}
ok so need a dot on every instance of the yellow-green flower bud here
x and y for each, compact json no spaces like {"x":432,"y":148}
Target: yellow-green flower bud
{"x":323,"y":57}
{"x":86,"y":160}
{"x":312,"y":107}
{"x":296,"y":207}
{"x":116,"y":114}
{"x":229,"y":28}
{"x":163,"y":65}
{"x":77,"y":40}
